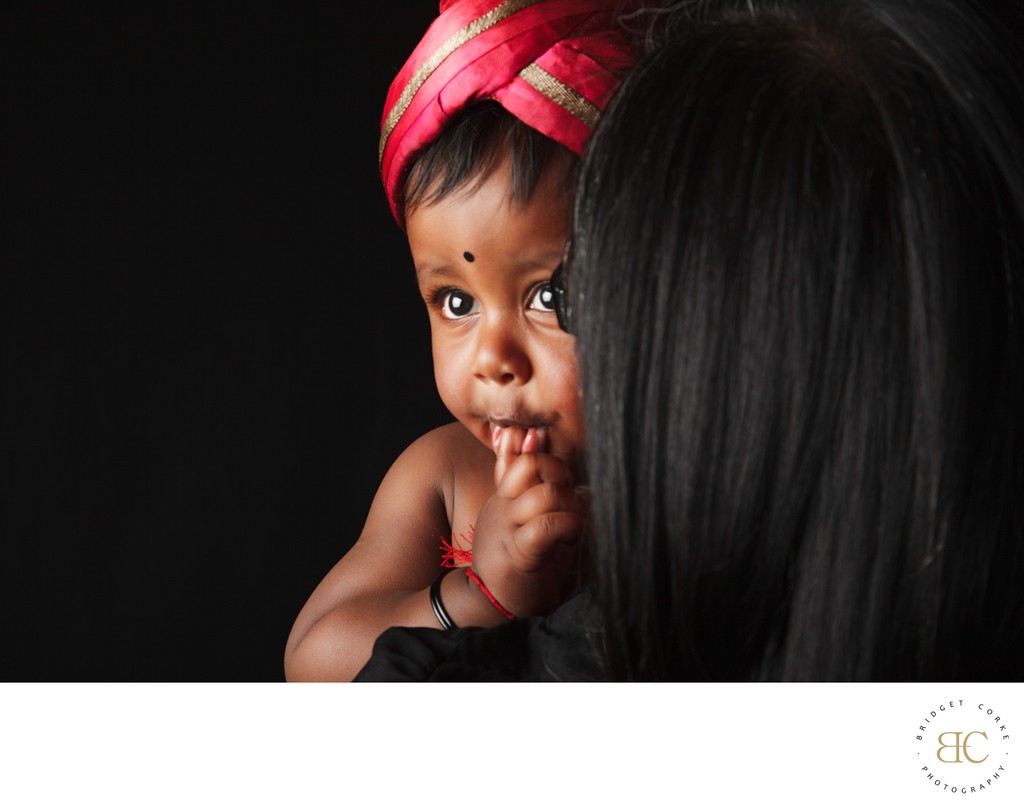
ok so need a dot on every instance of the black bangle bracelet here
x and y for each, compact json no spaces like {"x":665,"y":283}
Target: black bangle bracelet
{"x":440,"y":612}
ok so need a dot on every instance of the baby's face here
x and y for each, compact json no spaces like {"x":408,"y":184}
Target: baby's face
{"x":500,"y":360}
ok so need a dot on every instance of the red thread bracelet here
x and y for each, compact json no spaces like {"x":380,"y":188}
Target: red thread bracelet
{"x":476,"y":579}
{"x":457,"y":555}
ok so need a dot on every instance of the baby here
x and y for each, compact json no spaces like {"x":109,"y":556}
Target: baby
{"x":479,"y":143}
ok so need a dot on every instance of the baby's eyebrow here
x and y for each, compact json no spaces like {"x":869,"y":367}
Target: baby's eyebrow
{"x":431,"y":273}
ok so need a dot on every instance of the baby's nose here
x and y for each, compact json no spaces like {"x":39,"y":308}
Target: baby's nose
{"x":500,"y":356}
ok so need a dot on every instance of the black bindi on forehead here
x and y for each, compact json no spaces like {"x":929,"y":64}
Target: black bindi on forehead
{"x":469,"y":256}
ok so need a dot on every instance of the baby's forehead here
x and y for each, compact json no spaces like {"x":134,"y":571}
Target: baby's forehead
{"x":494,"y":229}
{"x":493,"y":198}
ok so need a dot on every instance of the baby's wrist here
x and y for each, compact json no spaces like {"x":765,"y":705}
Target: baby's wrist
{"x":476,"y":579}
{"x":467,"y":603}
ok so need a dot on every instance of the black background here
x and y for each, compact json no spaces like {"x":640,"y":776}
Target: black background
{"x":211,"y":341}
{"x":213,"y":347}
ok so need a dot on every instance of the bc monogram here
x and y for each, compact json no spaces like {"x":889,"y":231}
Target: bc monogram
{"x":961,"y":744}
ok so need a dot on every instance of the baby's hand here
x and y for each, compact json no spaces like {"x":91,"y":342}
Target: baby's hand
{"x":524,"y":544}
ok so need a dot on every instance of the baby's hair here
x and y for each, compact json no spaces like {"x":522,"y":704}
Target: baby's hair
{"x":473,"y":146}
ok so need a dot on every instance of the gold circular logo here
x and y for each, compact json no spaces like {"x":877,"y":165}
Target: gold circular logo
{"x":963,"y":746}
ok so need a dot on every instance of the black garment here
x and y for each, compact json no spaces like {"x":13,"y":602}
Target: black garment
{"x":563,"y":647}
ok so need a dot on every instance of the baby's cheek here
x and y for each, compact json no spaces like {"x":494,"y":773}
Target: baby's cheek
{"x":566,"y":400}
{"x":444,"y":379}
{"x":452,"y":381}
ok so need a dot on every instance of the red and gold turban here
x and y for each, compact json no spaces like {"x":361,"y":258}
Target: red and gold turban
{"x":554,"y":64}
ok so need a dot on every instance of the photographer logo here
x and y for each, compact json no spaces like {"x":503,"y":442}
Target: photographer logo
{"x":963,"y":747}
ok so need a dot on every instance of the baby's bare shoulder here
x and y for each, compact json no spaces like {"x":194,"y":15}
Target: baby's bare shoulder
{"x":451,"y":448}
{"x":441,"y":459}
{"x":451,"y":461}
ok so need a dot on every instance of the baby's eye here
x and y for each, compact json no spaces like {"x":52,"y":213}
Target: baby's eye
{"x":542,"y":298}
{"x":456,"y":304}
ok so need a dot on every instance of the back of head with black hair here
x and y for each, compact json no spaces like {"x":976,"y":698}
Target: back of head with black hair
{"x":797,"y":281}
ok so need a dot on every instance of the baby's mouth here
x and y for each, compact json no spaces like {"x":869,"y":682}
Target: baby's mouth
{"x":516,"y":439}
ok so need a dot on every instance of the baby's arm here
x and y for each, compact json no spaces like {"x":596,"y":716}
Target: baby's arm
{"x":384,"y":579}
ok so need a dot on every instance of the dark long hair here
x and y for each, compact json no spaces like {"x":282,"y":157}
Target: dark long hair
{"x":797,"y":285}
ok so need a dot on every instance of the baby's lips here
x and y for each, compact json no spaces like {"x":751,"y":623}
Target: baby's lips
{"x":513,"y":441}
{"x":507,"y":441}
